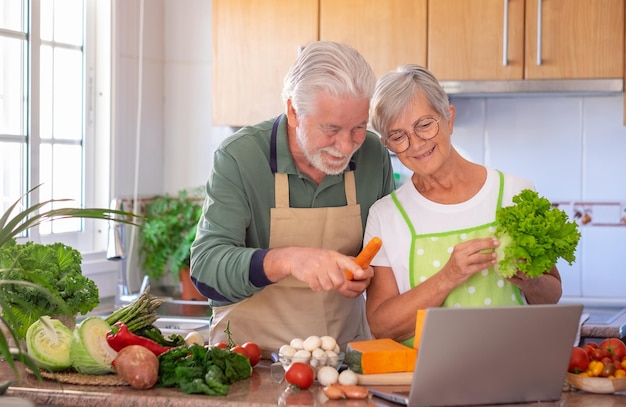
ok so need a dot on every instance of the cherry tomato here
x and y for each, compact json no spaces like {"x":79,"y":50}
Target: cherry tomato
{"x":221,"y":345}
{"x":609,"y":370}
{"x":599,"y":354}
{"x":300,"y":374}
{"x":607,"y":360}
{"x":589,"y":349}
{"x":239,"y":349}
{"x":595,"y":368}
{"x":579,"y":360}
{"x":592,"y":344}
{"x":254,"y":352}
{"x":614,"y":346}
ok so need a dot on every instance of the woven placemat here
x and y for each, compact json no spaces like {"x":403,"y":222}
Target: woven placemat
{"x":83,"y":379}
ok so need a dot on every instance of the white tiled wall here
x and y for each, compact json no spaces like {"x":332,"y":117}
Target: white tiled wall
{"x":573,"y":148}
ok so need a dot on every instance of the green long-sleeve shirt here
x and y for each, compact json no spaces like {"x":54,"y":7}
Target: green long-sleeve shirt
{"x":233,"y":232}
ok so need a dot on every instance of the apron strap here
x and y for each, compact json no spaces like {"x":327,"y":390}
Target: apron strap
{"x":273,"y":154}
{"x":350,"y":185}
{"x":281,"y":190}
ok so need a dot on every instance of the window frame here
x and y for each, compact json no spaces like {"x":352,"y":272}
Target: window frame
{"x":91,"y":239}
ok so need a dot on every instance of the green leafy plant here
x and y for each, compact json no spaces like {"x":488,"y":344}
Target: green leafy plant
{"x":168,"y":231}
{"x":17,"y":308}
{"x":533,"y":236}
{"x":55,"y":266}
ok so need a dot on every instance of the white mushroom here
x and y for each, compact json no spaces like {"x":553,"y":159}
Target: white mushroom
{"x":311,"y":343}
{"x":302,"y":355}
{"x":297,"y":343}
{"x":328,"y":342}
{"x":287,"y":351}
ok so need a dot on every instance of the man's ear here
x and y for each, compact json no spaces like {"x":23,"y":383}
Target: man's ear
{"x":292,"y":115}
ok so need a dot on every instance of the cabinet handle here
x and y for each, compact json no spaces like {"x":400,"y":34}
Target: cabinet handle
{"x":539,"y":32}
{"x":505,"y":35}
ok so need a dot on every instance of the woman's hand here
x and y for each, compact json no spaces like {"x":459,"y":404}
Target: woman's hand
{"x":545,"y":289}
{"x":470,"y":257}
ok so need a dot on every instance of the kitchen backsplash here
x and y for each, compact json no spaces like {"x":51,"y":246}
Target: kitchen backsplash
{"x":573,"y":148}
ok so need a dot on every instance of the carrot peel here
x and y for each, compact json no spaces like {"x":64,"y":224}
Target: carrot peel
{"x":365,"y":257}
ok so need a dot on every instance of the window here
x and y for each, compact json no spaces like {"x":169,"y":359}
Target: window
{"x":54,"y":76}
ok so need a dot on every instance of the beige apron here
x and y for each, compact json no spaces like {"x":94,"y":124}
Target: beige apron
{"x":290,"y":309}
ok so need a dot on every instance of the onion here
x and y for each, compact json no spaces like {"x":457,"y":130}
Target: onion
{"x":348,"y":377}
{"x":327,"y":375}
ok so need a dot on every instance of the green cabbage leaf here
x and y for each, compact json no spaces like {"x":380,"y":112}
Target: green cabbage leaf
{"x":533,"y":236}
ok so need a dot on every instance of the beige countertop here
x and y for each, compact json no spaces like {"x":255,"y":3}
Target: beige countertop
{"x":258,"y":390}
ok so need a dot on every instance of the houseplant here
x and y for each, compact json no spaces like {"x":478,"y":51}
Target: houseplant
{"x":16,"y":309}
{"x":165,"y":238}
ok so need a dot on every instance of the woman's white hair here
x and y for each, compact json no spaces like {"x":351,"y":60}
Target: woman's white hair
{"x":395,"y":90}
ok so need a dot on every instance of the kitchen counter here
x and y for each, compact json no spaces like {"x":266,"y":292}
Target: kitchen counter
{"x":258,"y":390}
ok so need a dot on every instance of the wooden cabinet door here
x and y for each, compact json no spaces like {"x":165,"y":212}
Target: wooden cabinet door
{"x":578,"y":39}
{"x":388,"y":33}
{"x":254,"y":44}
{"x":476,"y":39}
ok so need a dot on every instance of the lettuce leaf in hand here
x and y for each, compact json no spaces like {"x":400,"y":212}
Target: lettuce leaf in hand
{"x":533,"y":236}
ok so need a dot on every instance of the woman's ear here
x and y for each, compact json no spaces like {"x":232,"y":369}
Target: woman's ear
{"x":452,"y":110}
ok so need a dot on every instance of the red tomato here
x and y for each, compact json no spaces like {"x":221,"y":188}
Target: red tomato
{"x":254,"y":352}
{"x":221,"y":345}
{"x":579,"y":360}
{"x":239,"y":349}
{"x":614,"y":346}
{"x":592,"y":344}
{"x":300,"y":375}
{"x":589,"y":349}
{"x":599,"y":354}
{"x":607,"y":361}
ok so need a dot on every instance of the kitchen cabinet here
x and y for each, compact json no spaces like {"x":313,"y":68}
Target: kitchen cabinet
{"x":388,"y":33}
{"x":526,"y":39}
{"x":254,"y":43}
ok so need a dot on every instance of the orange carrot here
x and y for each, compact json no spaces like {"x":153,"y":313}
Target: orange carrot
{"x":365,"y":257}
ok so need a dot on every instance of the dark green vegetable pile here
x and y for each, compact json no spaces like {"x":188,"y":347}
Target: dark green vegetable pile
{"x":197,"y":369}
{"x":533,"y":236}
{"x":56,"y":267}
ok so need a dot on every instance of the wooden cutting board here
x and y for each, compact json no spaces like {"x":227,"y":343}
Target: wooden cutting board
{"x":403,"y":378}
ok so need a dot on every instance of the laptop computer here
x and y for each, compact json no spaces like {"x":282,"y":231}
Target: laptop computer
{"x":490,"y":355}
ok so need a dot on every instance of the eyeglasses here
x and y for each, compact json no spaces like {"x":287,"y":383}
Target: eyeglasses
{"x":400,"y":141}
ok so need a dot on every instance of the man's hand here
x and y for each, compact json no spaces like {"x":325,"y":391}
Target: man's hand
{"x":320,"y":269}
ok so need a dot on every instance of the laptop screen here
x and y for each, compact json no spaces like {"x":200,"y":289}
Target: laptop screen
{"x":492,"y":355}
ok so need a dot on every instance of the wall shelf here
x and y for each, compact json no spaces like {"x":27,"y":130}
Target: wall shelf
{"x":593,"y":213}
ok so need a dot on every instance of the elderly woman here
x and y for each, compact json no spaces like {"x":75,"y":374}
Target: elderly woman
{"x":437,"y":230}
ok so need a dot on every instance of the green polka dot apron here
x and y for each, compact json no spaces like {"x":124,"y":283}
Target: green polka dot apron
{"x":430,"y":252}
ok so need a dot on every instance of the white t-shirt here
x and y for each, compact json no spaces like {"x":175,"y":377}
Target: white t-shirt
{"x":386,"y":221}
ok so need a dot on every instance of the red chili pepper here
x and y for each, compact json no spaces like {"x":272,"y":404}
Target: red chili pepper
{"x":120,"y":337}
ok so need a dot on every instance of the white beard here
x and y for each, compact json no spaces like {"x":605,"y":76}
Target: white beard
{"x":316,"y":158}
